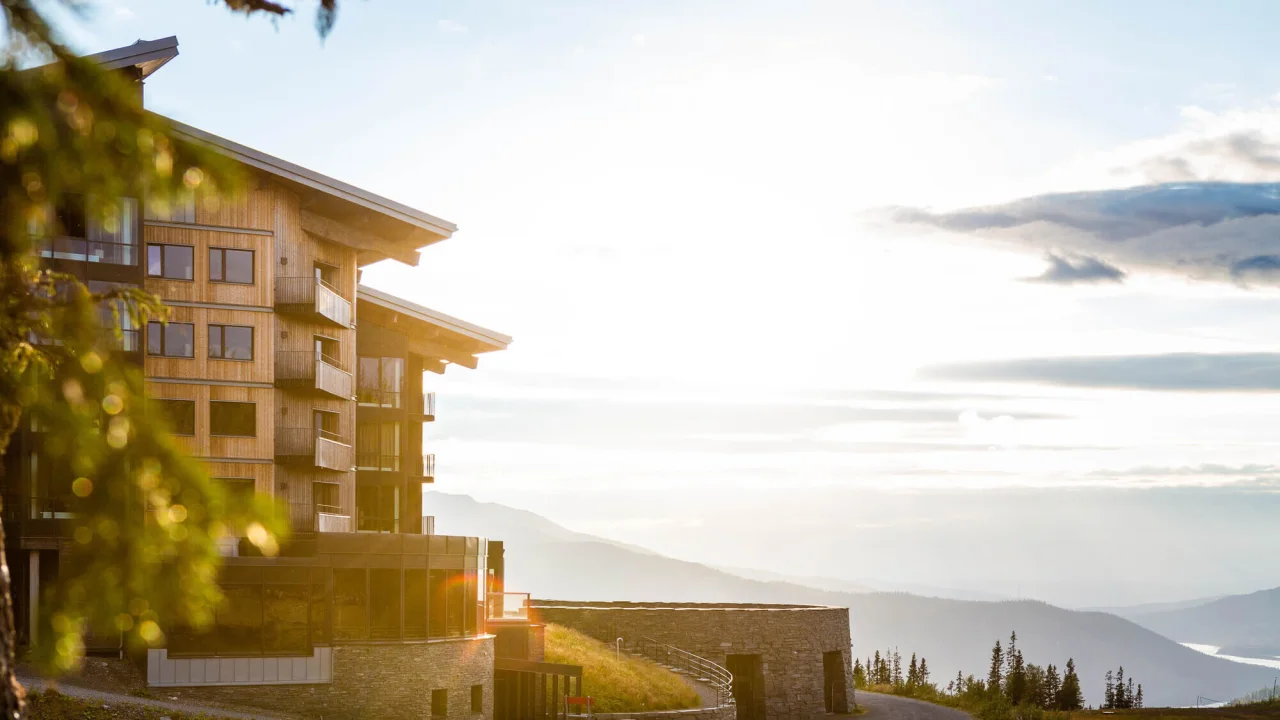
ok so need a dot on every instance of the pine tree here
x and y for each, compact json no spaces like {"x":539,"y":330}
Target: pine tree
{"x":1033,"y":685}
{"x":875,"y":670}
{"x":1129,"y":694}
{"x":959,"y":682}
{"x":1119,"y":701}
{"x":1137,"y":699}
{"x":1016,"y":679}
{"x":913,"y":672}
{"x":1109,"y":697}
{"x":994,"y":674}
{"x":1071,"y":697}
{"x":923,"y":675}
{"x":859,"y":674}
{"x":897,"y":669}
{"x":1051,"y":699}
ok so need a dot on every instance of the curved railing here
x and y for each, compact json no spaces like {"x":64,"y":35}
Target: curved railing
{"x":699,"y":668}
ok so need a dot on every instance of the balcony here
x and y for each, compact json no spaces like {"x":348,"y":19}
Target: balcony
{"x":84,"y":250}
{"x":423,"y":468}
{"x":423,"y":407}
{"x":314,"y":299}
{"x":508,"y":606}
{"x":311,"y":448}
{"x":309,"y":518}
{"x":311,"y":371}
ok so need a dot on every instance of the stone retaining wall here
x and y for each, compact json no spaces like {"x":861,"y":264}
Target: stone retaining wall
{"x":373,"y":681}
{"x":790,"y":640}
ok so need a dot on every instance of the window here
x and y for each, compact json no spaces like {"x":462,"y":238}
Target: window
{"x":173,"y":262}
{"x":237,"y":419}
{"x":326,"y":424}
{"x":231,"y":342}
{"x":437,"y":602}
{"x":455,"y":590}
{"x":415,"y":604}
{"x":284,"y":626}
{"x":181,"y":415}
{"x":378,"y":446}
{"x":378,"y":508}
{"x":324,"y":495}
{"x":381,"y":381}
{"x":72,"y":219}
{"x":326,"y":349}
{"x":384,"y":603}
{"x":350,"y":600}
{"x":239,"y":491}
{"x":439,"y":703}
{"x":227,"y":265}
{"x":172,"y":340}
{"x":477,"y":699}
{"x":239,"y":619}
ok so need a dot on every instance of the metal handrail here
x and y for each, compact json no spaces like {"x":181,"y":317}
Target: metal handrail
{"x":711,"y":673}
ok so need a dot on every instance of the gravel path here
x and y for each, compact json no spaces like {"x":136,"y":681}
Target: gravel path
{"x":107,"y":698}
{"x":891,"y":707}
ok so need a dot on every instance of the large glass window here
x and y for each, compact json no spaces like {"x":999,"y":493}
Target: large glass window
{"x":378,"y":446}
{"x":239,"y":419}
{"x":284,"y":628}
{"x":384,"y":606}
{"x":231,"y":342}
{"x":172,"y":262}
{"x":438,"y":602}
{"x":350,"y":604}
{"x":172,"y":340}
{"x":381,"y":381}
{"x":319,"y":613}
{"x":181,"y":415}
{"x":240,"y":619}
{"x":228,"y":265}
{"x":415,"y":604}
{"x":455,"y":592}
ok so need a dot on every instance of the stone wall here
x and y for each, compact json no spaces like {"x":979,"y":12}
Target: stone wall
{"x":372,"y":681}
{"x":790,"y":639}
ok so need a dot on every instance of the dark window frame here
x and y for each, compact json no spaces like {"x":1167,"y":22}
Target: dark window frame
{"x":477,"y":699}
{"x":158,"y":329}
{"x":440,"y":703}
{"x":254,"y":434}
{"x":174,"y":427}
{"x":164,"y":262}
{"x":222,"y":266}
{"x":222,"y":342}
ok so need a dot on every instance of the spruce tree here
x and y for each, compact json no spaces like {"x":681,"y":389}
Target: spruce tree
{"x":913,"y":672}
{"x":1016,"y":679}
{"x":1051,"y":699}
{"x":1071,"y":697}
{"x":897,"y":669}
{"x":1109,"y":696}
{"x":1137,"y":699}
{"x":959,"y":682}
{"x":1129,"y":694}
{"x":1118,"y":699}
{"x":875,"y":670}
{"x":994,"y":674}
{"x":923,"y":675}
{"x":859,"y":674}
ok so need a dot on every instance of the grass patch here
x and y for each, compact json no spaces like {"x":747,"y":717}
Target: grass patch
{"x":629,"y":685}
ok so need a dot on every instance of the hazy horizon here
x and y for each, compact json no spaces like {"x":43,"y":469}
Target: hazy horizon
{"x":842,"y":289}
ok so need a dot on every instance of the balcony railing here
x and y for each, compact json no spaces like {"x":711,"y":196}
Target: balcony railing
{"x":313,"y":298}
{"x":508,"y":606}
{"x":309,"y":518}
{"x":377,"y":397}
{"x":310,"y":370}
{"x":83,"y":250}
{"x":423,"y":407}
{"x":313,"y":448}
{"x":423,"y":467}
{"x":377,"y":461}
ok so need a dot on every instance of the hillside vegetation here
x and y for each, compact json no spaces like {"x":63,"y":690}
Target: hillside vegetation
{"x":629,"y":685}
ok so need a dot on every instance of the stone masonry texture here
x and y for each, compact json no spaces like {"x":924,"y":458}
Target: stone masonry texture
{"x":789,"y":638}
{"x":373,"y":681}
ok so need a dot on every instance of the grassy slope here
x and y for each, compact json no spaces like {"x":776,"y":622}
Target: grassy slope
{"x":631,"y":685}
{"x":56,"y":706}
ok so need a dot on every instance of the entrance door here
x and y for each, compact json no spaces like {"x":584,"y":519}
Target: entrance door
{"x":748,"y":685}
{"x":834,"y":695}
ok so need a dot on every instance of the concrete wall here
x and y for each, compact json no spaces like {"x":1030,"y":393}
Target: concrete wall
{"x":375,"y":681}
{"x":789,"y":638}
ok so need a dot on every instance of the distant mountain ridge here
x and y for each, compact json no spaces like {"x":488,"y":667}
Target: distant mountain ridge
{"x":1245,"y":625}
{"x":552,"y":562}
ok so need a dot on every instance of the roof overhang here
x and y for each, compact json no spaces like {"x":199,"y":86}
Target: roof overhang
{"x":147,"y":56}
{"x":377,"y":227}
{"x":431,"y":334}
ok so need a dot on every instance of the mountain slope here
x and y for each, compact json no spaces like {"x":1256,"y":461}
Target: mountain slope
{"x":552,"y":562}
{"x":1246,"y":625}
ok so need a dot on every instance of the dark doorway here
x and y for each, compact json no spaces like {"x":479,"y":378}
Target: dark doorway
{"x":748,"y":685}
{"x":834,"y":696}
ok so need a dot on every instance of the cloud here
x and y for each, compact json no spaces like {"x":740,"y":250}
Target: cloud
{"x":1225,"y":372}
{"x":1226,"y":232}
{"x":1069,"y":271}
{"x":450,"y":26}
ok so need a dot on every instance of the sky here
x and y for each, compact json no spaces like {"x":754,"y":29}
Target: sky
{"x":967,"y":295}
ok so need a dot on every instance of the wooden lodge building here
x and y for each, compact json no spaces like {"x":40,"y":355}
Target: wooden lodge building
{"x":288,"y":378}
